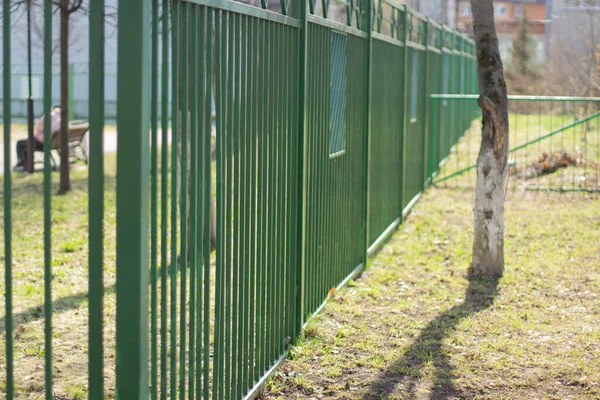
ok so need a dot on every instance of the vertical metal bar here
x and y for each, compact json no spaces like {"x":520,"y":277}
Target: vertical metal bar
{"x":235,"y":204}
{"x":153,"y":202}
{"x":183,"y":196}
{"x":193,"y":91}
{"x":273,"y":196}
{"x":597,"y":150}
{"x":284,"y":161}
{"x":201,"y":101}
{"x":164,"y":182}
{"x":259,"y":198}
{"x":207,"y":196}
{"x":243,"y":212}
{"x":316,"y":172}
{"x":254,"y":90}
{"x":229,"y":132}
{"x":289,"y":162}
{"x":29,"y":161}
{"x":574,"y":134}
{"x":292,"y":188}
{"x":551,"y":122}
{"x":300,"y":148}
{"x":425,"y":121}
{"x":280,"y":208}
{"x":369,"y":4}
{"x":7,"y":198}
{"x":132,"y":198}
{"x":321,"y":154}
{"x":307,"y":123}
{"x":528,"y":117}
{"x":261,"y":238}
{"x":324,"y":158}
{"x":316,"y":158}
{"x":175,"y":114}
{"x":404,"y":112}
{"x":96,"y":202}
{"x":220,"y":35}
{"x":269,"y":186}
{"x":48,"y":371}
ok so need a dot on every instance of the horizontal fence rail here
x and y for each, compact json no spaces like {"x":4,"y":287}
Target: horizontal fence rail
{"x":264,"y":150}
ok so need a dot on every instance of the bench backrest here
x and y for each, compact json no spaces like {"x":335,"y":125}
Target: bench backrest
{"x":76,"y":134}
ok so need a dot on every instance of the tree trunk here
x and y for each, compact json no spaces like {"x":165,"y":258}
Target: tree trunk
{"x":65,"y":182}
{"x":488,"y":245}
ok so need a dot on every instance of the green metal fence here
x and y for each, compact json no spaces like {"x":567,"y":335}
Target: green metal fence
{"x":324,"y":138}
{"x":554,"y":142}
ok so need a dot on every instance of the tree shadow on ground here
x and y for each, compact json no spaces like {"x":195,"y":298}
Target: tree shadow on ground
{"x":402,"y":377}
{"x":63,"y":304}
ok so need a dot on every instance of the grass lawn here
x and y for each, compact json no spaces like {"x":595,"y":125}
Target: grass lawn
{"x":69,"y":285}
{"x":414,"y":327}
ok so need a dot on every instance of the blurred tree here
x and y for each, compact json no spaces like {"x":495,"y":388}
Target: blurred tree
{"x":522,"y":52}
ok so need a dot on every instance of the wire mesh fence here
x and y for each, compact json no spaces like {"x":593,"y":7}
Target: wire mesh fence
{"x":554,"y":143}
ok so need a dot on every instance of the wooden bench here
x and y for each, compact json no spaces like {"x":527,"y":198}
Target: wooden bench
{"x":77,"y":152}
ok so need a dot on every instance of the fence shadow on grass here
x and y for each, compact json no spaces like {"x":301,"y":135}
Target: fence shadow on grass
{"x":403,"y":375}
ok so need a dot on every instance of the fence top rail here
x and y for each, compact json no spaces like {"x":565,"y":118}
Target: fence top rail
{"x":515,"y":97}
{"x":241,"y":8}
{"x":435,"y":24}
{"x":315,"y":19}
{"x":468,"y":44}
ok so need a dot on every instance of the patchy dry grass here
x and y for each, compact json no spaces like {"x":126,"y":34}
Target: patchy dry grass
{"x":69,"y":285}
{"x":414,"y":327}
{"x":17,"y":131}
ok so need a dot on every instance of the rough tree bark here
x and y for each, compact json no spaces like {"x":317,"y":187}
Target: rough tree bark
{"x":488,"y":245}
{"x":66,"y":8}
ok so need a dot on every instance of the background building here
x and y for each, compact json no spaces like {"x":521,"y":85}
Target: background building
{"x":508,"y":16}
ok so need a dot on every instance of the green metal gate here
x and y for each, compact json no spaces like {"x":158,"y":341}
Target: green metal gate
{"x":319,"y":143}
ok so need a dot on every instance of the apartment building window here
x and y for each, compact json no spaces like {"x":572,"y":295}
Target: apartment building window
{"x":465,"y":9}
{"x":499,"y":10}
{"x":518,"y":10}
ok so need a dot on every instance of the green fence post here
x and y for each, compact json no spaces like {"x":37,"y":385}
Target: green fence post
{"x":302,"y":14}
{"x":96,"y":202}
{"x":48,"y":368}
{"x":427,"y":111}
{"x":433,"y":138}
{"x":404,"y":113}
{"x":8,"y":297}
{"x":133,"y":106}
{"x":440,"y":126}
{"x":370,"y":4}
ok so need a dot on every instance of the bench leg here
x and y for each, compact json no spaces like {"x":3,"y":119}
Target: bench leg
{"x":84,"y":155}
{"x":77,"y":153}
